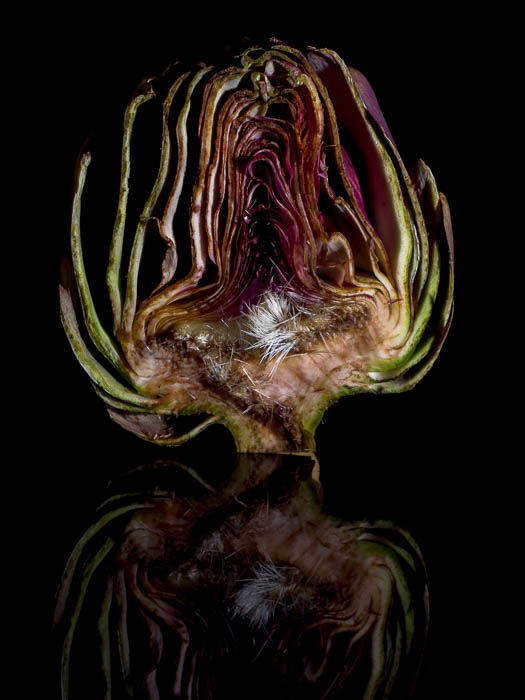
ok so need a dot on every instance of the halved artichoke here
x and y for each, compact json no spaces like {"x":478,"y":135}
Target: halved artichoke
{"x":302,"y":262}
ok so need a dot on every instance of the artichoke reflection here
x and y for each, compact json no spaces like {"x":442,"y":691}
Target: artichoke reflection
{"x":301,"y":260}
{"x":245,"y":588}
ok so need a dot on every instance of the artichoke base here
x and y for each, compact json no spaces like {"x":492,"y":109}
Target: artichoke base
{"x":270,"y":405}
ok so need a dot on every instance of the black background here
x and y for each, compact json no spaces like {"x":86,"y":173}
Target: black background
{"x":429,"y":459}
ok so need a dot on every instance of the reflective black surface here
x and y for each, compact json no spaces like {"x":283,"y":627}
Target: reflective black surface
{"x":194,"y":583}
{"x":433,"y":460}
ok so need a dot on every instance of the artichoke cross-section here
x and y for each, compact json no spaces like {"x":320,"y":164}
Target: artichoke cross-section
{"x":301,"y":261}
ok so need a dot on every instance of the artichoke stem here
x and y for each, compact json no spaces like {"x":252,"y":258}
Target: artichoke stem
{"x":271,"y":436}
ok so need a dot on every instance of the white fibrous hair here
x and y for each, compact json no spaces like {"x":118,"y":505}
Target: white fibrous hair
{"x":219,"y":367}
{"x":258,"y":599}
{"x":273,"y":324}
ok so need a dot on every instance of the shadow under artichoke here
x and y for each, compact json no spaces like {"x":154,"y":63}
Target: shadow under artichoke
{"x":183,"y":588}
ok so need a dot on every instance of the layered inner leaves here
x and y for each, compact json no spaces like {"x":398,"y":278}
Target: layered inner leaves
{"x":277,"y":204}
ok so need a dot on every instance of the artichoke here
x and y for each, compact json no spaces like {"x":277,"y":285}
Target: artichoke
{"x":301,"y":261}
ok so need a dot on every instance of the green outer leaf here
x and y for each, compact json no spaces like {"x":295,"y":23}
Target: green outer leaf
{"x":158,"y":409}
{"x":413,"y":350}
{"x":110,"y":400}
{"x":117,"y":241}
{"x":429,"y":350}
{"x":430,"y":296}
{"x":100,"y":338}
{"x":95,"y":371}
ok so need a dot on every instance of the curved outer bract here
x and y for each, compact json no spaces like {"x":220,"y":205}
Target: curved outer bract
{"x":302,"y":260}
